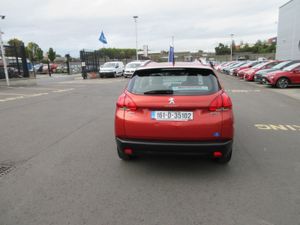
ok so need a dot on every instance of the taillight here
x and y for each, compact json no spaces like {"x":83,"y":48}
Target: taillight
{"x":126,"y":103}
{"x":221,"y":103}
{"x":121,"y":100}
{"x":216,"y":104}
{"x":227,"y":104}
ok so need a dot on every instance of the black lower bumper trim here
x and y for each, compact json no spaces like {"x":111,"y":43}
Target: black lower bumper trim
{"x":174,"y":147}
{"x":108,"y":74}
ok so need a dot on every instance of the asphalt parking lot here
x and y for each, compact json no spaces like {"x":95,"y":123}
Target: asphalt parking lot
{"x":60,"y":166}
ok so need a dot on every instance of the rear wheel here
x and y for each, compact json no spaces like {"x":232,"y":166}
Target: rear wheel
{"x":123,"y":156}
{"x":225,"y":158}
{"x":282,"y":83}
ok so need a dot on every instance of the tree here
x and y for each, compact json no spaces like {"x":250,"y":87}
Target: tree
{"x":233,"y":45}
{"x":222,"y":49}
{"x":39,"y":54}
{"x":117,"y":53}
{"x":258,"y":47}
{"x":34,"y":52}
{"x":51,"y":54}
{"x":272,"y":48}
{"x":15,"y":42}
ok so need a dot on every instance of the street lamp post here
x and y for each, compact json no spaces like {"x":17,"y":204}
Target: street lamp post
{"x":231,"y":49}
{"x":136,"y":36}
{"x":3,"y":54}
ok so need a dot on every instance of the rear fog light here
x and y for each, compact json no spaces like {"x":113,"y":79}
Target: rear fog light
{"x":128,"y":151}
{"x":218,"y":154}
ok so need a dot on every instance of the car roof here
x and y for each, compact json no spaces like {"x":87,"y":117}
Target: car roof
{"x":155,"y":65}
{"x":114,"y":62}
{"x":135,"y":62}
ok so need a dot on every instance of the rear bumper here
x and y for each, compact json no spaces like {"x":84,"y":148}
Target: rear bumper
{"x":258,"y":78}
{"x":128,"y":74}
{"x":107,"y":74}
{"x":240,"y":75}
{"x":268,"y":81}
{"x":174,"y":147}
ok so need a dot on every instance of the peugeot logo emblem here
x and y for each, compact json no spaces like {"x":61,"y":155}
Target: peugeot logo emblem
{"x":171,"y":101}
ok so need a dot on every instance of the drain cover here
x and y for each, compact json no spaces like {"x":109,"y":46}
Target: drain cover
{"x":4,"y":169}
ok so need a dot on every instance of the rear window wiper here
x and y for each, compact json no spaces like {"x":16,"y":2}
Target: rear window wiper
{"x":159,"y":92}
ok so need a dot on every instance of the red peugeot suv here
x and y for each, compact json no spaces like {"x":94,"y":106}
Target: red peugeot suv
{"x":174,"y":109}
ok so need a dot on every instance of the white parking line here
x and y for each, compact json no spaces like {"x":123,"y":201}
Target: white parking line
{"x":243,"y":91}
{"x":63,"y":90}
{"x":10,"y":93}
{"x":24,"y":96}
{"x":92,"y":81}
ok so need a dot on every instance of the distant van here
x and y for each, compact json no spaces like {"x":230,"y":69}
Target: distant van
{"x":112,"y":69}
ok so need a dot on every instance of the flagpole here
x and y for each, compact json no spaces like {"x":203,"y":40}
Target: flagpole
{"x":173,"y":50}
{"x":173,"y":41}
{"x":136,"y":37}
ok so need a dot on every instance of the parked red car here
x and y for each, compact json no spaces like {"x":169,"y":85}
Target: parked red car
{"x":245,"y":66}
{"x":242,"y":72}
{"x":282,"y":79}
{"x":179,"y":109}
{"x":249,"y":74}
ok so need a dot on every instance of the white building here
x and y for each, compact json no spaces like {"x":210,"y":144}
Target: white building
{"x":288,"y":39}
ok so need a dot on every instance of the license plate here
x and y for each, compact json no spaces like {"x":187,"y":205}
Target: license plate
{"x":172,"y":115}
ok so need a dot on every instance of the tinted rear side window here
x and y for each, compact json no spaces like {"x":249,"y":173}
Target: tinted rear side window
{"x":174,"y":82}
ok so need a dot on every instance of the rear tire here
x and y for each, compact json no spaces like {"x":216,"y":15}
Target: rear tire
{"x":123,"y":156}
{"x":224,"y":159}
{"x":282,"y":83}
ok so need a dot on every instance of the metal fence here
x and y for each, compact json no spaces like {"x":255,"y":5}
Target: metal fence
{"x":16,"y":62}
{"x":91,"y":60}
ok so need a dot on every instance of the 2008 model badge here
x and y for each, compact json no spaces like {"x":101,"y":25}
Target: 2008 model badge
{"x":171,"y":101}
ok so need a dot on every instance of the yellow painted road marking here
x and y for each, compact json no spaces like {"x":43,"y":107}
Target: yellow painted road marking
{"x":278,"y":127}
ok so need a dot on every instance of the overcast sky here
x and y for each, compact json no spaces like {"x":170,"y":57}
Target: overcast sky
{"x":71,"y":25}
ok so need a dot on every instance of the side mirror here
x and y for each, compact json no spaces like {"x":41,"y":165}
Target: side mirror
{"x":117,"y":66}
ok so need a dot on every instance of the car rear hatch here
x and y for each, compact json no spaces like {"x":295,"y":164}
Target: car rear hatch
{"x":172,"y":116}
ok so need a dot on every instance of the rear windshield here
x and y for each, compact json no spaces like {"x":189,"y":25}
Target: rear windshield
{"x":133,"y":65}
{"x":261,"y":64}
{"x":174,"y":82}
{"x":109,"y":65}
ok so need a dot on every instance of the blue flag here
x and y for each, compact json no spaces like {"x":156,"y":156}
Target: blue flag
{"x":171,"y":55}
{"x":102,"y":38}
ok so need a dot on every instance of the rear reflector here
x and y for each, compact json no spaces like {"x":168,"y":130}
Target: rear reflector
{"x":217,"y":154}
{"x":128,"y":151}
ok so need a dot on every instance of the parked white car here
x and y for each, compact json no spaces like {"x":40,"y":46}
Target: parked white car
{"x":112,"y":69}
{"x":132,"y":66}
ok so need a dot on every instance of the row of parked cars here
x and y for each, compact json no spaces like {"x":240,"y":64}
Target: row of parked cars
{"x":117,"y":68}
{"x":277,"y":73}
